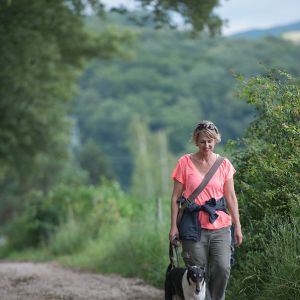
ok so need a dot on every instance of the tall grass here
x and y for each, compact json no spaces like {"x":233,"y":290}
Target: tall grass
{"x":282,"y":254}
{"x":273,"y":272}
{"x":69,"y":238}
{"x":132,"y":249}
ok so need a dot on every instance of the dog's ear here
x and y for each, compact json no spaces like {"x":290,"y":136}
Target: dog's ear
{"x":189,"y":280}
{"x":202,"y":271}
{"x":188,"y":275}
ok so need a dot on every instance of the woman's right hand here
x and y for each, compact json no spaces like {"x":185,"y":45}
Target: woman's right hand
{"x":174,"y":233}
{"x":177,"y":191}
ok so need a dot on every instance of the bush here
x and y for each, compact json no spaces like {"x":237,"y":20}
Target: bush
{"x":35,"y":225}
{"x":68,"y":239}
{"x":282,"y":254}
{"x":273,"y":272}
{"x":268,"y":178}
{"x":79,"y":210}
{"x":131,"y":247}
{"x":268,"y":186}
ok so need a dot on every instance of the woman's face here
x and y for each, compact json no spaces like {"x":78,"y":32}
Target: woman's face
{"x":205,"y":144}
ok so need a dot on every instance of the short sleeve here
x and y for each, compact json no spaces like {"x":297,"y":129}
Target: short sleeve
{"x":229,"y":170}
{"x":178,"y":173}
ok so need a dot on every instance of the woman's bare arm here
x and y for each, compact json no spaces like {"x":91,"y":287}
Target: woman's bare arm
{"x":232,"y":204}
{"x":177,"y":191}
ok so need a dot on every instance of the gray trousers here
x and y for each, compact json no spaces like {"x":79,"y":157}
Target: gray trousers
{"x":213,"y":252}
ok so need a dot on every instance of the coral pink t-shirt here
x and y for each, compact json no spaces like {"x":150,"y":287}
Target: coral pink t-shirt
{"x":187,"y":173}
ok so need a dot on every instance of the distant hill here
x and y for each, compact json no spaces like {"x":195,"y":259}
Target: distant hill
{"x":274,"y":31}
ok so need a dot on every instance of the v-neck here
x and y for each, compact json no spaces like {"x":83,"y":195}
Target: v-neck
{"x":197,"y":169}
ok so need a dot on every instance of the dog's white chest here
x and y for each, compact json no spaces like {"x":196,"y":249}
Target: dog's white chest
{"x":189,"y":289}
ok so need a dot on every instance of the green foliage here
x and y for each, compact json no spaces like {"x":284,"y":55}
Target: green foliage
{"x":152,"y":99}
{"x":38,"y":72}
{"x":86,"y":209}
{"x":273,"y":271}
{"x":152,"y":161}
{"x":131,"y":247}
{"x":195,"y":15}
{"x":169,"y":87}
{"x":143,"y":249}
{"x":98,"y":228}
{"x":282,"y":276}
{"x":44,"y":47}
{"x":268,"y":184}
{"x":269,"y":160}
{"x":69,"y":238}
{"x":92,"y":159}
{"x":35,"y":225}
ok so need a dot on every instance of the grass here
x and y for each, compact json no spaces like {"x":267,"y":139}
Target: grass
{"x":128,"y":249}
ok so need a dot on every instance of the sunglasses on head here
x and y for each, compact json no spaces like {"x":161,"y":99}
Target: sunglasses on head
{"x":207,"y":126}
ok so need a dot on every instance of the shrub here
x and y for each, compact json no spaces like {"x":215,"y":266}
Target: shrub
{"x":36,"y":223}
{"x":79,"y":210}
{"x":268,"y":186}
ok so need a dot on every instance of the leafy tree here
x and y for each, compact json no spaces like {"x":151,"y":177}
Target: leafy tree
{"x":269,"y":159}
{"x":268,"y":184}
{"x":152,"y":161}
{"x":196,"y":15}
{"x":93,"y":161}
{"x":44,"y":47}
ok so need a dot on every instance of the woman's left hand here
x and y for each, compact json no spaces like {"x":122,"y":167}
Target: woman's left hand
{"x":238,"y":236}
{"x":232,"y":205}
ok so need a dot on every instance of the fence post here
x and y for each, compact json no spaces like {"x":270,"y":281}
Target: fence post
{"x":158,"y":210}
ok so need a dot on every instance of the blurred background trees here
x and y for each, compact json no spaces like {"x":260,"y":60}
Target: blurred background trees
{"x":268,"y":186}
{"x":171,"y":85}
{"x":44,"y":47}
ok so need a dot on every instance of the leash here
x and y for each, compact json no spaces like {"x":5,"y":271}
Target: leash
{"x":174,"y":253}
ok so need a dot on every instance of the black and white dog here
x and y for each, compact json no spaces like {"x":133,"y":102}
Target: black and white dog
{"x":185,"y":284}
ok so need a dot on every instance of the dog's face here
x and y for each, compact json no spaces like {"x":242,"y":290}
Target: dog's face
{"x":197,"y":275}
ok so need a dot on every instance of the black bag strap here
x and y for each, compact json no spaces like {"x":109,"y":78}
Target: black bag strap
{"x":200,"y":188}
{"x":206,"y":179}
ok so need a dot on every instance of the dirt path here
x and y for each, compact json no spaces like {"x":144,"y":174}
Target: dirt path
{"x":36,"y":281}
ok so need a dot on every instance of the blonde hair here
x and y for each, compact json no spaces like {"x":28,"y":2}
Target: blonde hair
{"x":208,"y":129}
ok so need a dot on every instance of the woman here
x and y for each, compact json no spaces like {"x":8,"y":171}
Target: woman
{"x":213,"y":250}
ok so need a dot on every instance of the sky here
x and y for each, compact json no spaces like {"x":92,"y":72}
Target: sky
{"x":257,"y":14}
{"x":248,"y":14}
